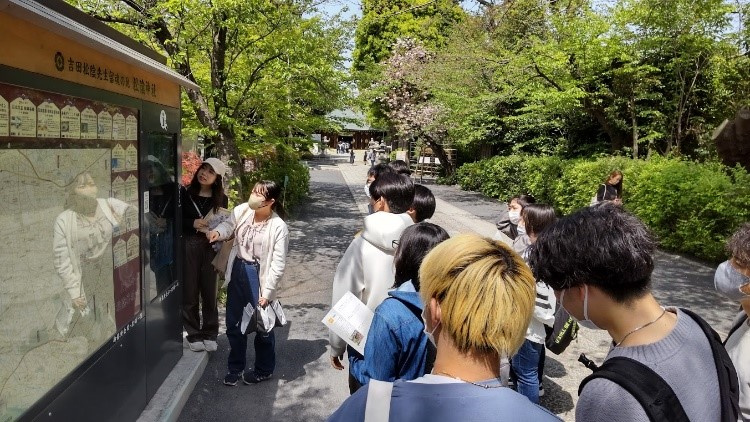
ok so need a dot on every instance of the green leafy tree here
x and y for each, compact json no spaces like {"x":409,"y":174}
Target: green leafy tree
{"x":385,"y":21}
{"x":268,"y":71}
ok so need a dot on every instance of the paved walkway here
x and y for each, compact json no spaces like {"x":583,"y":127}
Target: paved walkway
{"x":306,"y":388}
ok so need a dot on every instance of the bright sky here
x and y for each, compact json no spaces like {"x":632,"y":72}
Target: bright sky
{"x":332,"y":7}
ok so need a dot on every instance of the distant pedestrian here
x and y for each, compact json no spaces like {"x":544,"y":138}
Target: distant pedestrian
{"x":478,"y":297}
{"x":510,"y":226}
{"x":599,"y":261}
{"x":372,"y":157}
{"x":611,"y":189}
{"x":351,"y":157}
{"x":364,"y":157}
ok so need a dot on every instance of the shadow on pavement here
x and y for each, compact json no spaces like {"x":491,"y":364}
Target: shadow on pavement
{"x":555,"y":398}
{"x":677,"y":281}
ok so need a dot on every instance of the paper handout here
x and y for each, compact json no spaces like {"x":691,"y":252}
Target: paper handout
{"x":350,"y":319}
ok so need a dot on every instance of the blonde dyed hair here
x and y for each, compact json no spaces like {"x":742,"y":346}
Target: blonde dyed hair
{"x":485,"y":291}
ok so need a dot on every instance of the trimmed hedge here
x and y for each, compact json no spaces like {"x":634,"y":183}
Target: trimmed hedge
{"x":690,"y":207}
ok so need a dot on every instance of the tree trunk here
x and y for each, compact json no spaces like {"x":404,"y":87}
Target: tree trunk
{"x":226,"y":150}
{"x":617,"y":138}
{"x":441,"y":154}
{"x":634,"y":125}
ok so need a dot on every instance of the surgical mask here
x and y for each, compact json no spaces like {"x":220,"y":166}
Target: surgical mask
{"x":514,"y":216}
{"x":586,"y":322}
{"x":367,"y":189}
{"x":430,"y":334}
{"x":255,"y":202}
{"x":729,"y":282}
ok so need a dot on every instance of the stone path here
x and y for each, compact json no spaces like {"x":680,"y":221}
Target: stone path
{"x":306,"y":388}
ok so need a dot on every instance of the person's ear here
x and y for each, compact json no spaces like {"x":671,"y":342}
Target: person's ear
{"x":413,"y":214}
{"x":435,"y":312}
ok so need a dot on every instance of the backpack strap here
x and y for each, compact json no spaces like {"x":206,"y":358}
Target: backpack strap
{"x":728,"y":382}
{"x":378,"y":406}
{"x":650,"y":390}
{"x":735,"y":327}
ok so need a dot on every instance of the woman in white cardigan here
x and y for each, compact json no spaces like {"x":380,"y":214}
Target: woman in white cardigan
{"x":254,"y":270}
{"x":82,"y":244}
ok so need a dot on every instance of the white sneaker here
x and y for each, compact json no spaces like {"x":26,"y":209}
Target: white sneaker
{"x":197,"y":346}
{"x":541,"y":391}
{"x":210,"y":345}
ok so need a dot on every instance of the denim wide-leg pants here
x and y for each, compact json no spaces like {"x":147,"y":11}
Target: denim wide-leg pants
{"x":244,"y":288}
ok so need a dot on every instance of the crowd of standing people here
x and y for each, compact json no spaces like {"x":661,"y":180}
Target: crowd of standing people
{"x":451,"y":313}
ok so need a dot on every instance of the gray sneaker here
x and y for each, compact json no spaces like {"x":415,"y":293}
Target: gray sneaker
{"x":210,"y":345}
{"x":197,"y":346}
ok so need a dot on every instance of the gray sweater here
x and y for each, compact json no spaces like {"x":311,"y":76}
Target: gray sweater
{"x":683,"y":358}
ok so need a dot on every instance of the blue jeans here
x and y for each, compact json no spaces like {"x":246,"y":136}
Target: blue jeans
{"x":526,"y":367}
{"x":244,"y":288}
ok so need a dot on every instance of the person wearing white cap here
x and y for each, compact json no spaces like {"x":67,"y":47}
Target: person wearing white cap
{"x":203,"y":195}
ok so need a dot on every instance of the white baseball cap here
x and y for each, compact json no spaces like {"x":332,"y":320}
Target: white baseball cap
{"x":216,"y":164}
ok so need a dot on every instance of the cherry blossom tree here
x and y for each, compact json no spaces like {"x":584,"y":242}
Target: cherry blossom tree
{"x":407,"y":104}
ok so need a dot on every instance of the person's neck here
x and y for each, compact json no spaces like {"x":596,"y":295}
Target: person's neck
{"x":262,"y":214}
{"x":472,"y":366}
{"x":623,"y":319}
{"x":206,"y":191}
{"x":746,"y":306}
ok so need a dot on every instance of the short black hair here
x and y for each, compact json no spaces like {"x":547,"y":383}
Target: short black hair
{"x":397,"y":189}
{"x":415,"y":242}
{"x":537,"y":217}
{"x":379,"y":169}
{"x":523,"y":200}
{"x":603,"y":246}
{"x":400,"y":167}
{"x":423,"y":204}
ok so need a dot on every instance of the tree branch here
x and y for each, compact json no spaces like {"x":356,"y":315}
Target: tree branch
{"x":254,"y":76}
{"x":112,"y":19}
{"x":547,"y":78}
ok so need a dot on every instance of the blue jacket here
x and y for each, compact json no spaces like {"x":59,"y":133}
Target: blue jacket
{"x":396,"y":345}
{"x":417,"y":402}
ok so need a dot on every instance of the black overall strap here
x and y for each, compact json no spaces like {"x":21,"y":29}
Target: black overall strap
{"x":729,"y":388}
{"x":650,"y":390}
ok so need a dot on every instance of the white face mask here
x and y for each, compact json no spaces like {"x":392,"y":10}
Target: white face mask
{"x":367,"y":189}
{"x":731,"y":283}
{"x":514,"y":216}
{"x":430,"y":334}
{"x":586,"y":322}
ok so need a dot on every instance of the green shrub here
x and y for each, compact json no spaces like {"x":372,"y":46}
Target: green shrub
{"x":690,"y":207}
{"x":274,"y":162}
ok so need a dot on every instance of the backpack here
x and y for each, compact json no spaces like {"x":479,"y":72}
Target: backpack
{"x":656,"y":396}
